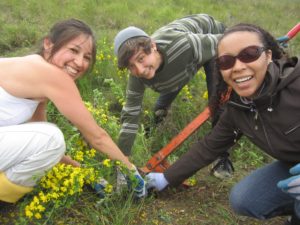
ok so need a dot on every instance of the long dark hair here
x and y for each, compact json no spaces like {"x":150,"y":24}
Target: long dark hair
{"x":221,"y":89}
{"x":65,"y":31}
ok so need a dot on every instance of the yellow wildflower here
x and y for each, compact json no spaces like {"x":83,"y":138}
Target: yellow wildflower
{"x":43,"y":197}
{"x":205,"y":95}
{"x":28,"y":213}
{"x":41,"y":208}
{"x":79,"y":156}
{"x":108,"y":188}
{"x":38,"y":216}
{"x":106,"y":162}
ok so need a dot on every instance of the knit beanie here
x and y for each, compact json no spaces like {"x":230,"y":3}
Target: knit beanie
{"x":126,"y":34}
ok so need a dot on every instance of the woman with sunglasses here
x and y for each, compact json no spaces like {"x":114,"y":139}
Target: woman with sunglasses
{"x":264,"y":106}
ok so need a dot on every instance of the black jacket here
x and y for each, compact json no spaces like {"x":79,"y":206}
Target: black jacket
{"x":271,"y":121}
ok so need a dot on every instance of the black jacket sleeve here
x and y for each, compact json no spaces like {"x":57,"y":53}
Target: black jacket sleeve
{"x":202,"y":153}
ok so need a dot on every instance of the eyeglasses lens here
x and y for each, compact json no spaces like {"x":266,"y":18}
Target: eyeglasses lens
{"x":247,"y":55}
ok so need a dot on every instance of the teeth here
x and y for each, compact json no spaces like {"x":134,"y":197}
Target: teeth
{"x":71,"y":70}
{"x":243,"y":79}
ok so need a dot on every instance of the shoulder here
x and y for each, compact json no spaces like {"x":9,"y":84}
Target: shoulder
{"x":31,"y":77}
{"x":33,"y":70}
{"x":39,"y":67}
{"x":29,"y":64}
{"x":37,"y":61}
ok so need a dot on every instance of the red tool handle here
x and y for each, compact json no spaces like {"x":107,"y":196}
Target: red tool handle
{"x":293,"y":31}
{"x":156,"y":163}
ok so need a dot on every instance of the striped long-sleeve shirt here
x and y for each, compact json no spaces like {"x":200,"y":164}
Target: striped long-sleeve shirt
{"x":185,"y":45}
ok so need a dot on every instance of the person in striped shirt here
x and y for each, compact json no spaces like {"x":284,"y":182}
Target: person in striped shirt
{"x":165,"y":62}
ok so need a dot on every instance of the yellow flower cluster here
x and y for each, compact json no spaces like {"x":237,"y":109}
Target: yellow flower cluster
{"x":122,"y":73}
{"x":107,"y":162}
{"x":100,"y":113}
{"x":34,"y":208}
{"x":205,"y":95}
{"x":104,"y":53}
{"x":59,"y":183}
{"x":108,"y":188}
{"x":80,"y":155}
{"x":192,"y":181}
{"x":187,"y":93}
{"x":82,"y":151}
{"x":100,"y":56}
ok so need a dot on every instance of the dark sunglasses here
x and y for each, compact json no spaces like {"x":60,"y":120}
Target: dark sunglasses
{"x":247,"y":55}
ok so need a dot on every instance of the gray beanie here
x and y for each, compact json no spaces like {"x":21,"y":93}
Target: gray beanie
{"x":125,"y":34}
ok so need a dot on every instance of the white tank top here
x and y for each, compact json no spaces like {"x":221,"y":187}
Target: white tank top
{"x":15,"y":110}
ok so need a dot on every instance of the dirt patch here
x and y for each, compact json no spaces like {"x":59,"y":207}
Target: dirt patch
{"x":204,"y":204}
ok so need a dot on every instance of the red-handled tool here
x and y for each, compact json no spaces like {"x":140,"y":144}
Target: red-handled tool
{"x":292,"y":33}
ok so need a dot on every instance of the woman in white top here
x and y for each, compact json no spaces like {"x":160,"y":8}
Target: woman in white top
{"x":28,"y":144}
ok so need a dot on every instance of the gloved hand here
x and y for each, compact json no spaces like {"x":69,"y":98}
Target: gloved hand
{"x":138,"y":184}
{"x":292,"y":185}
{"x":156,"y":181}
{"x":283,"y":41}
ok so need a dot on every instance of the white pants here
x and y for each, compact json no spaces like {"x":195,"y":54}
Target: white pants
{"x":28,"y":150}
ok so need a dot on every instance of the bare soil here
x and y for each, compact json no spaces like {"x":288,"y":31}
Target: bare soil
{"x":206,"y":203}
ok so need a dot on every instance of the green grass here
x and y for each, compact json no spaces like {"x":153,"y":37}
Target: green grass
{"x":24,"y":23}
{"x":31,"y":18}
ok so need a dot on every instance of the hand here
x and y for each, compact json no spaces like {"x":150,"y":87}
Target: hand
{"x":156,"y":181}
{"x":292,"y":185}
{"x":139,"y":185}
{"x":283,"y":41}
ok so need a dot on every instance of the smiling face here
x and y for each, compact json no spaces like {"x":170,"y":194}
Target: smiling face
{"x":74,"y":57}
{"x":144,"y":65}
{"x":244,"y":78}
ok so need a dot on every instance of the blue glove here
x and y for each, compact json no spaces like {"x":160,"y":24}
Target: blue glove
{"x":283,"y":41}
{"x":292,"y":185}
{"x":156,"y":181}
{"x":138,"y":184}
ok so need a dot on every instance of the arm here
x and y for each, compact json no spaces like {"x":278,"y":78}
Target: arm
{"x":62,"y":91}
{"x":130,"y":114}
{"x":204,"y":46}
{"x":204,"y":24}
{"x":201,"y":30}
{"x":204,"y":36}
{"x":202,"y":153}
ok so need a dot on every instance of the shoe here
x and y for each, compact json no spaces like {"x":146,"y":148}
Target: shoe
{"x":160,"y":115}
{"x":223,"y":168}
